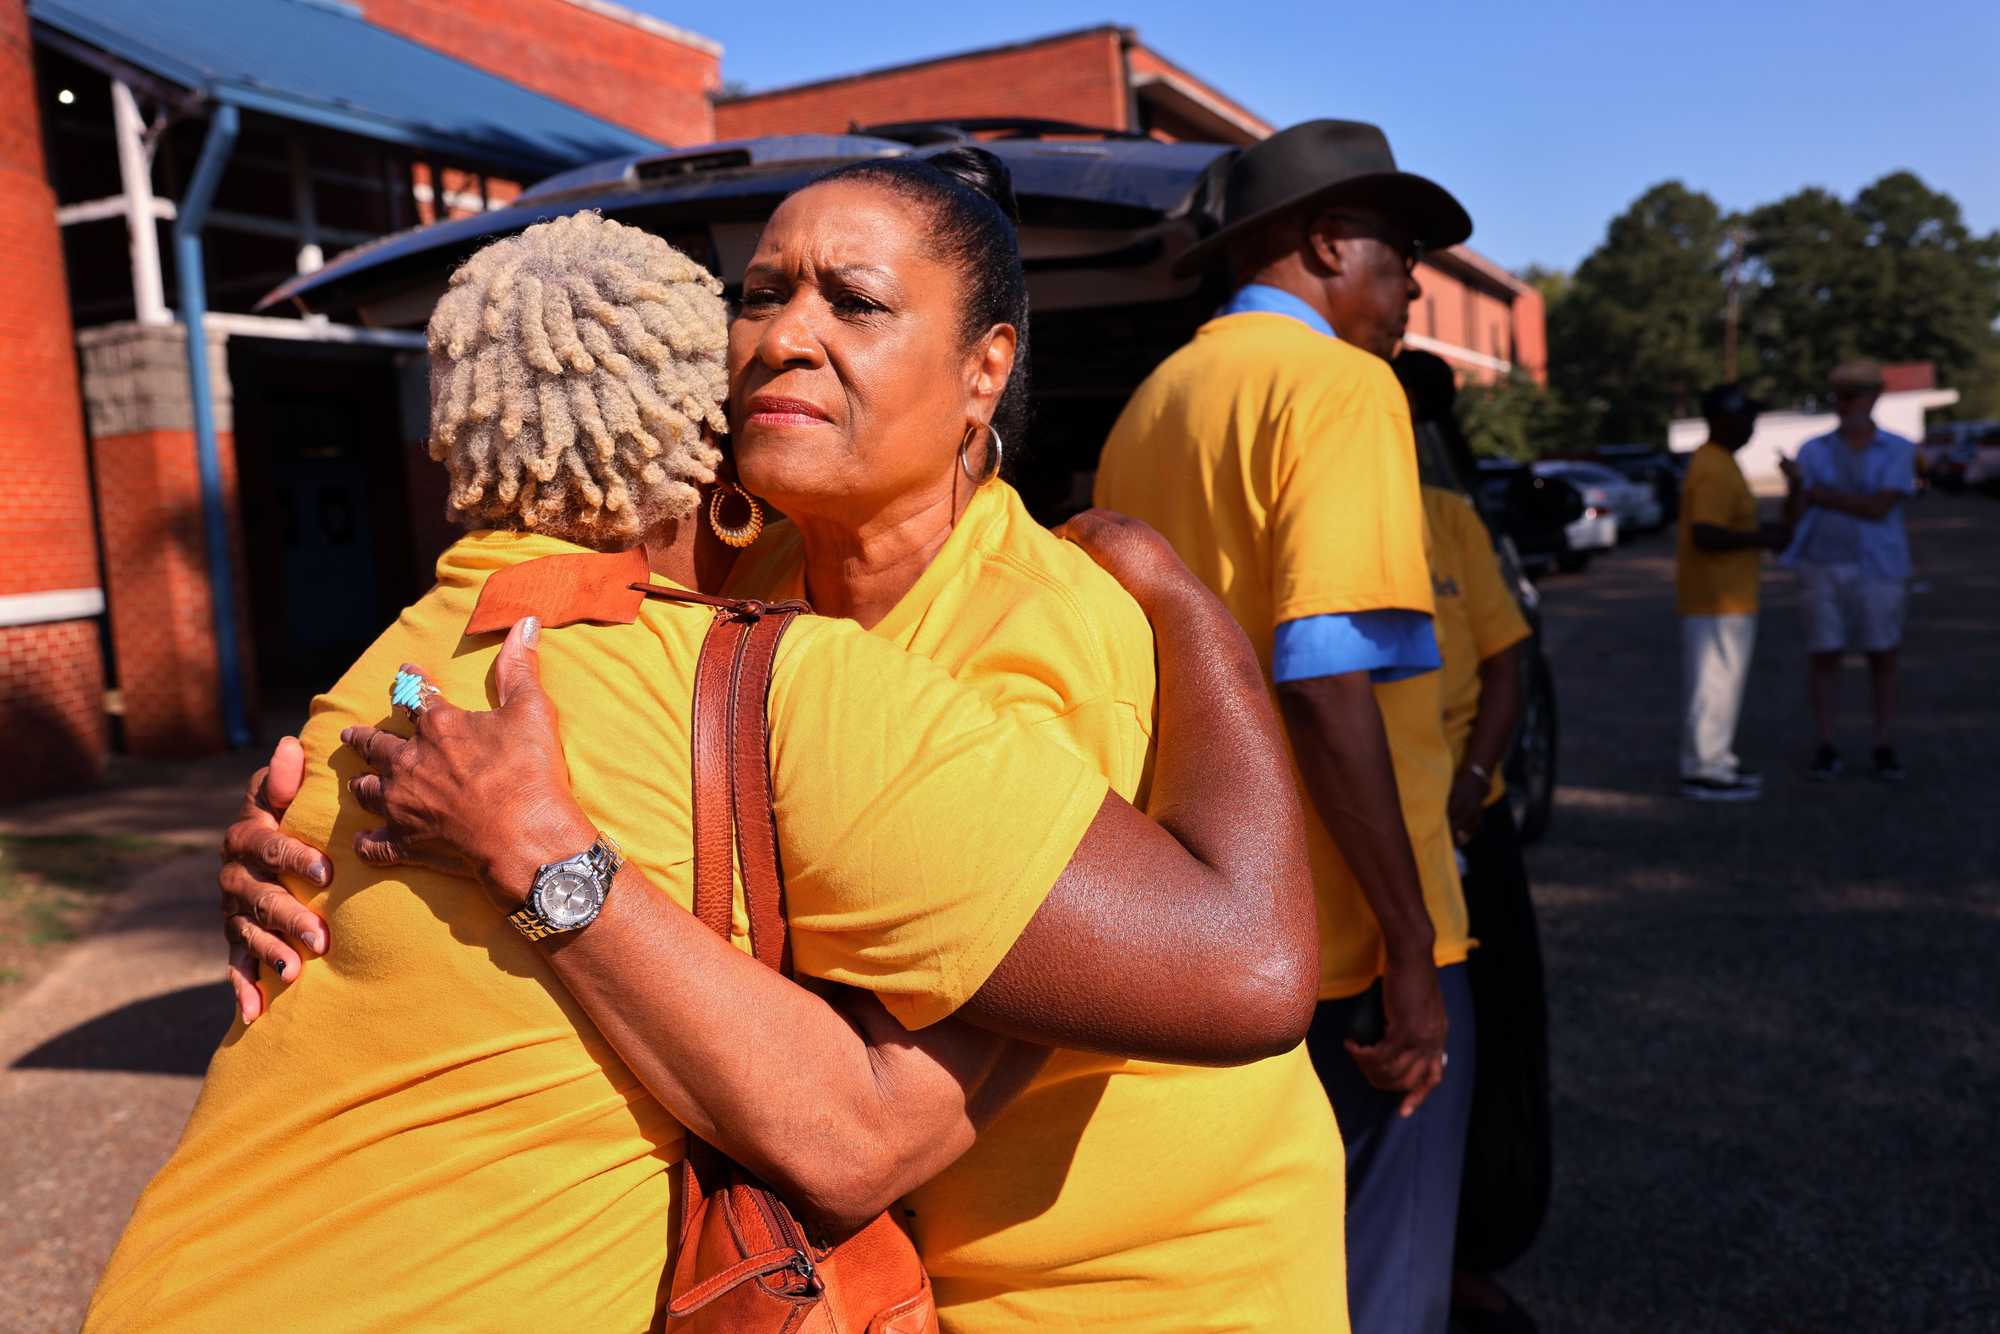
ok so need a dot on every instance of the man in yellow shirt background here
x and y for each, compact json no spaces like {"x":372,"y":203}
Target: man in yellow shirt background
{"x":1275,"y":452}
{"x":1483,"y":639}
{"x":1717,"y":559}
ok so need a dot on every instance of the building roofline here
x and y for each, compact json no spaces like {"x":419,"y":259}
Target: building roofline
{"x":647,"y":23}
{"x":1463,"y":261}
{"x":948,"y":57}
{"x":1201,"y":90}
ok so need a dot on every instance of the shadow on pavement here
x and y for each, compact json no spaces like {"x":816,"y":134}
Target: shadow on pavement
{"x":170,"y":1034}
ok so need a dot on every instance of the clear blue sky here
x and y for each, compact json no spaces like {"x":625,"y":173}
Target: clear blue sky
{"x":1546,"y":119}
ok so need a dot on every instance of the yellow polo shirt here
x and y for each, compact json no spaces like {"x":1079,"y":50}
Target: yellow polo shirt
{"x":1280,"y":464}
{"x":1715,"y":583}
{"x":1111,"y":1194}
{"x":1477,"y":615}
{"x":425,"y":1132}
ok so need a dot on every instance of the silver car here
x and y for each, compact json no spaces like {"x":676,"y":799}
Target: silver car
{"x":1633,"y":504}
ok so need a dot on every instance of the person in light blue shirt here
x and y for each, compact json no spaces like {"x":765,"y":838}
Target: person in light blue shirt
{"x":1853,"y":558}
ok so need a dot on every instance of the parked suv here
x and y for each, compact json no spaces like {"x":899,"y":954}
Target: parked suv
{"x":1103,"y":214}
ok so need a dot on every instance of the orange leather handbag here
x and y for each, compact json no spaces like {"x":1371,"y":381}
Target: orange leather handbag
{"x":744,"y":1264}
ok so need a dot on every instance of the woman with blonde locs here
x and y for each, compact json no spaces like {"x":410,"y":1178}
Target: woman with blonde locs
{"x":444,"y":1117}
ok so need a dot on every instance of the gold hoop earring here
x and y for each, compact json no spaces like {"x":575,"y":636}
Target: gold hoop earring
{"x":743,"y":534}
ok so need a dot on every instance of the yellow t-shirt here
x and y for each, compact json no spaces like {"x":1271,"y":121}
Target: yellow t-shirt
{"x":1715,"y":583}
{"x":425,"y":1132}
{"x":1279,"y":462}
{"x":1477,"y":616}
{"x":1111,"y":1194}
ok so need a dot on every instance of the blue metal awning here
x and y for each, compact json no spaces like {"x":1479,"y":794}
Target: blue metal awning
{"x":320,"y":62}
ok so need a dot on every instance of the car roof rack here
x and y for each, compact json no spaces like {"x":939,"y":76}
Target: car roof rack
{"x":970,"y":129}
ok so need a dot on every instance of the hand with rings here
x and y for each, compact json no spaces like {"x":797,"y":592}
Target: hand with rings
{"x":475,"y":789}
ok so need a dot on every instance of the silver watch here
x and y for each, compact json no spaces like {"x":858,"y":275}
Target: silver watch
{"x":568,"y":895}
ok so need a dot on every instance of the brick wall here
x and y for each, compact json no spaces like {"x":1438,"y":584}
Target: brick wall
{"x":626,"y":72}
{"x":156,"y":566}
{"x":51,"y":674}
{"x":1531,"y":335}
{"x":1471,"y":317}
{"x":52,"y":707}
{"x":149,"y":510}
{"x":1076,"y":77}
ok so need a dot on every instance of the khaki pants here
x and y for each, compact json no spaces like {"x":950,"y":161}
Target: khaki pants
{"x":1715,"y":664}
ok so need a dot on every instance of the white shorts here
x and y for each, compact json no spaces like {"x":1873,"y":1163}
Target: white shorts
{"x":1847,"y":611}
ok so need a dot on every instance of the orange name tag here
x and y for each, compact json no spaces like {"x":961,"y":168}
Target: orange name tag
{"x":562,"y":590}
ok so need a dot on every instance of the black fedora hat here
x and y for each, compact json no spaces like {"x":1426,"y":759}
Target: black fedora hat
{"x":1328,"y":162}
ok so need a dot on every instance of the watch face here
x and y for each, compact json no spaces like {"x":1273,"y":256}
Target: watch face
{"x":568,"y":898}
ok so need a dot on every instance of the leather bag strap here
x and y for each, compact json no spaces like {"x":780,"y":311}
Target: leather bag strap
{"x":713,"y":836}
{"x":750,"y":789}
{"x":732,"y":768}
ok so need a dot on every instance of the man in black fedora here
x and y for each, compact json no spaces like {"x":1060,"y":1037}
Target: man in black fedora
{"x":1274,"y":451}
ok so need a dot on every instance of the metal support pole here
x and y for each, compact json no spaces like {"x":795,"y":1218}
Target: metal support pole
{"x":215,"y":150}
{"x":135,"y":173}
{"x":311,"y":258}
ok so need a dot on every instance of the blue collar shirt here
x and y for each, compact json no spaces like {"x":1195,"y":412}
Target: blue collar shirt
{"x":1878,"y":547}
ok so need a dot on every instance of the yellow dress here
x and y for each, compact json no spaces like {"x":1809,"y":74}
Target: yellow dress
{"x":1111,"y":1194}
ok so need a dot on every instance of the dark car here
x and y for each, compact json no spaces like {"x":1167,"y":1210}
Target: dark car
{"x":1103,"y":214}
{"x":1533,"y":511}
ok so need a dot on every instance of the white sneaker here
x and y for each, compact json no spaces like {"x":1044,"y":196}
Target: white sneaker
{"x":1721,"y":789}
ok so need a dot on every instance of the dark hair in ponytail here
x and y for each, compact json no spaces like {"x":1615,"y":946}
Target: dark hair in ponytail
{"x":969,"y":196}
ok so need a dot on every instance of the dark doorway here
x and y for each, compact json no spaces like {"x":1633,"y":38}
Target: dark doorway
{"x":325,"y":504}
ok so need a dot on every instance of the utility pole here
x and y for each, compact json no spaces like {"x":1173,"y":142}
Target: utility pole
{"x":1737,"y":239}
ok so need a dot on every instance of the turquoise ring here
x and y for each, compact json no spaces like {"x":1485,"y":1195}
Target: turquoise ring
{"x":411,"y":693}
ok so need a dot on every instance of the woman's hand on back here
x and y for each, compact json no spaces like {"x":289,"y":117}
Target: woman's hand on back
{"x":487,"y":787}
{"x":261,"y":919}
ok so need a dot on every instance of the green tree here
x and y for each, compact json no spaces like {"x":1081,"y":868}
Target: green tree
{"x":1516,"y":418}
{"x":1895,"y":275}
{"x":1636,"y":335}
{"x":1979,"y":386}
{"x":1553,"y":284}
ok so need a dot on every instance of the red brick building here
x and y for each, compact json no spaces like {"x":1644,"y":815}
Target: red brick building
{"x":51,"y":668}
{"x":191,"y":534}
{"x":131,"y":490}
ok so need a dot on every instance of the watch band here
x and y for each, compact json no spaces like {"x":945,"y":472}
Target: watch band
{"x":530,"y":924}
{"x":605,"y":859}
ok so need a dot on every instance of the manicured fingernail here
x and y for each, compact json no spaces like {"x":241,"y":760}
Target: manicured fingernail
{"x":531,"y":631}
{"x":322,"y":874}
{"x":311,"y":938}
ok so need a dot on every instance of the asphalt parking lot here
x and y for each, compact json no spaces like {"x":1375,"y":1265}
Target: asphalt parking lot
{"x":1775,"y":1063}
